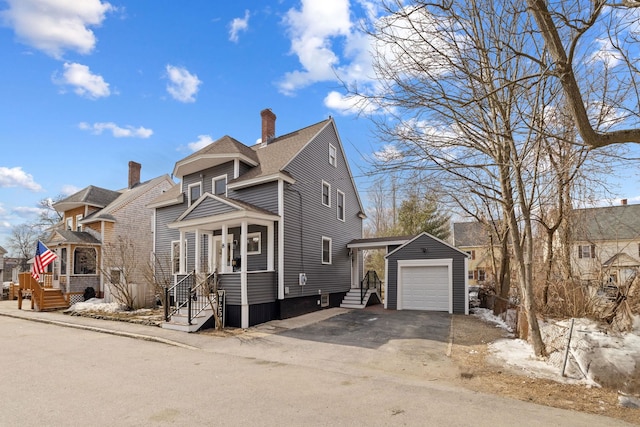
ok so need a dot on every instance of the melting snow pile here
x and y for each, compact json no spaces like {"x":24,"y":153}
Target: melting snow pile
{"x":596,"y":357}
{"x":96,"y":304}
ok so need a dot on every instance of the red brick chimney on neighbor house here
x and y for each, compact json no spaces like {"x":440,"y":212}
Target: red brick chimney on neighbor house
{"x":623,"y":202}
{"x":268,"y":125}
{"x":134,"y":173}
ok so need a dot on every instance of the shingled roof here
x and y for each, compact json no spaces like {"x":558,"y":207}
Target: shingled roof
{"x":608,"y":223}
{"x":91,"y":195}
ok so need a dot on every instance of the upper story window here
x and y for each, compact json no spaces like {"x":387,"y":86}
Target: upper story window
{"x":333,"y":156}
{"x":340,"y":205}
{"x":326,"y":193}
{"x":78,"y":225}
{"x":587,"y":251}
{"x":472,"y":252}
{"x":69,"y":223}
{"x":326,"y":250}
{"x":220,"y":185}
{"x":194,"y":190}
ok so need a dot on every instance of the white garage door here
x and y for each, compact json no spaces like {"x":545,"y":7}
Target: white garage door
{"x":425,"y":288}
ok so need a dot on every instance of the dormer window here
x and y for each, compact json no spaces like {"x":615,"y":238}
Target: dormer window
{"x":78,"y":225}
{"x":220,"y":185}
{"x":69,"y":223}
{"x":333,"y":156}
{"x":194,"y":190}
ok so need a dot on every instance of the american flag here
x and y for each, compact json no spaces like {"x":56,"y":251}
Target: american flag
{"x":44,"y":256}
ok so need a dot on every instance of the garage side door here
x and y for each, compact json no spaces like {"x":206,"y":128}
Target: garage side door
{"x":425,"y":288}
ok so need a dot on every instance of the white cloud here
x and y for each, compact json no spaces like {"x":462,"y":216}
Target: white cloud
{"x":312,"y":30}
{"x":203,"y":141}
{"x":69,"y":189}
{"x":85,"y":83}
{"x":16,"y":177}
{"x":606,"y":53}
{"x":348,"y":104}
{"x":54,"y":26}
{"x":237,"y":25}
{"x":117,"y":131}
{"x":182,"y":86}
{"x":25,"y":210}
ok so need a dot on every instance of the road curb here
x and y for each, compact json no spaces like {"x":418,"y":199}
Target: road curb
{"x":142,"y":337}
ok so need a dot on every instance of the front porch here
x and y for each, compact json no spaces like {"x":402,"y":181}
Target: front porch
{"x":239,"y":244}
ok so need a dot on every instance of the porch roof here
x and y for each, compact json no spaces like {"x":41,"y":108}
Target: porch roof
{"x":621,"y":260}
{"x":66,"y":237}
{"x":210,"y":209}
{"x":378,"y":242}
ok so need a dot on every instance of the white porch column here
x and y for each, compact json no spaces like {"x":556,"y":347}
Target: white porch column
{"x":270,"y":247}
{"x":183,"y":261}
{"x":198,"y":245}
{"x":225,"y":249}
{"x":244,"y":297}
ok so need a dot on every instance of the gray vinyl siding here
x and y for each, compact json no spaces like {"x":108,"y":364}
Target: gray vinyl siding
{"x":307,"y":220}
{"x":206,"y":176}
{"x":209,"y":207}
{"x":244,"y":168}
{"x":231,"y":284}
{"x":264,"y":196}
{"x":258,"y":262}
{"x":164,"y":234}
{"x":434,"y":250}
{"x":261,"y":287}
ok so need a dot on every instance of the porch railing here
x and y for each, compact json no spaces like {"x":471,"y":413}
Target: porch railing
{"x":188,"y":294}
{"x":370,"y":281}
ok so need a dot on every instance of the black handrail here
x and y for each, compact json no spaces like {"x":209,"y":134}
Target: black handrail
{"x":197,"y":304}
{"x":371,"y":278}
{"x":182,"y":292}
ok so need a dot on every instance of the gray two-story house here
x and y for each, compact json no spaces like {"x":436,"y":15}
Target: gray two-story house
{"x":272,"y":219}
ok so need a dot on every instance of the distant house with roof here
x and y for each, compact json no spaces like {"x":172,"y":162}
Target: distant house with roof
{"x":474,"y":238}
{"x":606,"y":243}
{"x":273,"y":220}
{"x":95,"y":219}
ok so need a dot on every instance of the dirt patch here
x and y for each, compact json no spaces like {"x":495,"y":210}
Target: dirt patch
{"x":469,"y":351}
{"x":142,"y":317}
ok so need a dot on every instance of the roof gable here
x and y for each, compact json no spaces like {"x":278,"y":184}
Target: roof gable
{"x":423,"y":235}
{"x":218,"y":152}
{"x":91,"y":196}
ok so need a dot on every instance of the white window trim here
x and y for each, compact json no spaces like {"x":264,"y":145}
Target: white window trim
{"x":326,"y":239}
{"x":251,"y":236}
{"x":70,"y":223}
{"x":333,"y":160}
{"x":344,"y":206}
{"x":328,"y":192}
{"x":78,"y":225}
{"x":186,"y":255}
{"x":218,"y":178}
{"x":189,"y":187}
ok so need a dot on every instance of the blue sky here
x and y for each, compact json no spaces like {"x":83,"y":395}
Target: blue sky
{"x":89,"y":85}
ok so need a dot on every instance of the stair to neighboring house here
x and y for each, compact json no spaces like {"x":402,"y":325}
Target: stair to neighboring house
{"x":51,"y":299}
{"x":179,"y":321}
{"x":352,"y":299}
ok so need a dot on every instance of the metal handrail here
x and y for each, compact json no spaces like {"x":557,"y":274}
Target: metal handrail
{"x":368,"y":279}
{"x":183,"y":284}
{"x":202,"y":303}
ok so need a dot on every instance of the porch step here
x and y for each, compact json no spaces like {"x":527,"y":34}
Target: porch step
{"x":52,"y":299}
{"x":352,"y":299}
{"x":180,"y":321}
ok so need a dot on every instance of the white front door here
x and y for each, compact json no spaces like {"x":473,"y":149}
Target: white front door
{"x":217,"y":253}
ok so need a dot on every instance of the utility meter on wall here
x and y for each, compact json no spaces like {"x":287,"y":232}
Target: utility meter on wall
{"x":302,"y":279}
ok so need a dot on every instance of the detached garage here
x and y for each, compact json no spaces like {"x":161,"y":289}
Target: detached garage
{"x":426,"y":273}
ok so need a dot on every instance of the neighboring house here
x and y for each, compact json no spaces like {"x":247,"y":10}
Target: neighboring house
{"x":273,"y":220}
{"x":11,"y":269}
{"x":474,"y":238}
{"x":606,"y":243}
{"x":96,"y":219}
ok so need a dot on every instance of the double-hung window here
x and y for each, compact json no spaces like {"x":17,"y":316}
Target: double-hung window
{"x":326,"y":194}
{"x":253,"y":244}
{"x":220,"y":185}
{"x":333,"y":155}
{"x":326,"y":250}
{"x":194,"y":190}
{"x":340,"y":205}
{"x":587,"y":251}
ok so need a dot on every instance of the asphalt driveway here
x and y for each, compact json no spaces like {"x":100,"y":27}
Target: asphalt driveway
{"x":375,"y":327}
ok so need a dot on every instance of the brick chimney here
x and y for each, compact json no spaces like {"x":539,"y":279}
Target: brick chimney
{"x":268,"y":125}
{"x":134,"y":173}
{"x":623,"y":202}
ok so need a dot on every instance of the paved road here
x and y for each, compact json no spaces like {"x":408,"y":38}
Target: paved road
{"x":58,"y":376}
